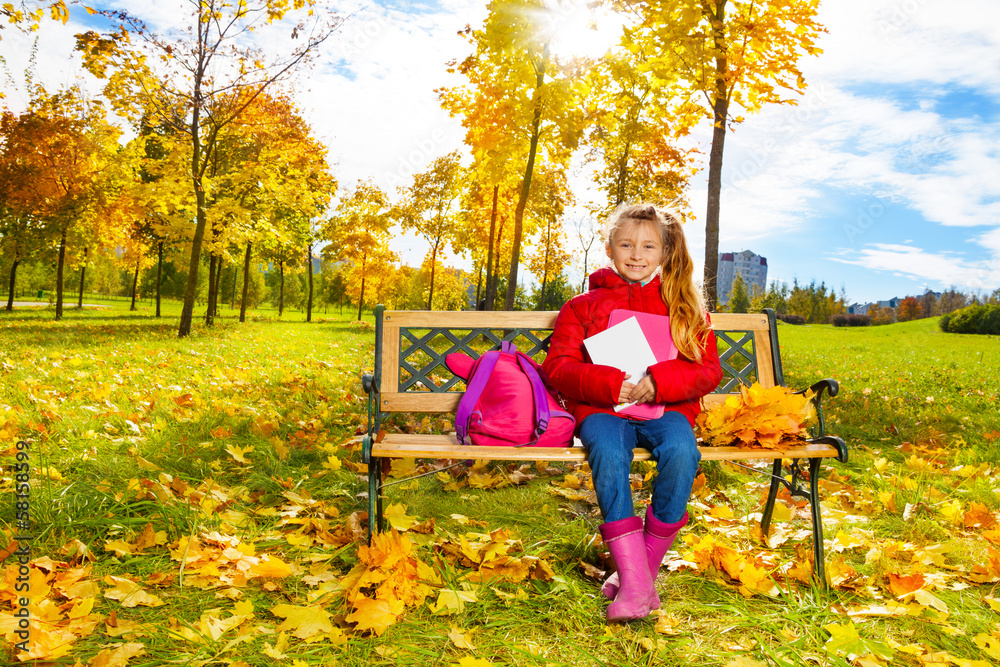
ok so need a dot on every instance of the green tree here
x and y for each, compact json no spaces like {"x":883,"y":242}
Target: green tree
{"x":739,"y":299}
{"x":776,"y":298}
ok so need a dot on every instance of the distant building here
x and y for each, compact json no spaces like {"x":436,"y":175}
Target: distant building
{"x":751,"y":266}
{"x":861,"y":308}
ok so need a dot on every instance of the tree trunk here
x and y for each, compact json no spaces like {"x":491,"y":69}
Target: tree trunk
{"x":622,"y":184}
{"x":12,"y":284}
{"x":361,"y":297}
{"x":135,"y":285}
{"x":720,"y":109}
{"x":159,"y":274}
{"x":281,"y":288}
{"x":479,"y":286}
{"x":218,"y":288}
{"x":83,"y":272}
{"x":59,"y":276}
{"x":191,"y":290}
{"x":522,"y":201}
{"x":430,"y":292}
{"x":209,"y":321}
{"x":236,"y":277}
{"x":309,"y":299}
{"x":545,"y":268}
{"x":491,"y":277}
{"x":246,"y":284}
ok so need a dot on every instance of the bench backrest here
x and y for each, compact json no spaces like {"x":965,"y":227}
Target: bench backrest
{"x":411,"y":346}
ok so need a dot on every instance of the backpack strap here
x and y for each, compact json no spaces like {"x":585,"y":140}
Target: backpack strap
{"x":540,"y":395}
{"x":478,"y":377}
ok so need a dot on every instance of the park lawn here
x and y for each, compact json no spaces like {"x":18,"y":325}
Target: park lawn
{"x":234,"y":452}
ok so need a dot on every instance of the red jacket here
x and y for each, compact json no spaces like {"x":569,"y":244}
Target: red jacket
{"x":590,"y":388}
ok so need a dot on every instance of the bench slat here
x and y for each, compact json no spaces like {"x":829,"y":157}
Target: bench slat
{"x":429,"y":446}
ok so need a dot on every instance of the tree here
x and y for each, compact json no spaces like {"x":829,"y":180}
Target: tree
{"x":520,"y":103}
{"x":632,"y":133}
{"x":429,"y":207}
{"x":929,"y":305}
{"x":814,"y":303}
{"x":776,"y":298}
{"x":64,"y":154}
{"x":31,"y":12}
{"x":739,"y":300}
{"x":202,"y":82}
{"x":550,"y":256}
{"x":359,"y":235}
{"x":909,"y":309}
{"x":721,"y":53}
{"x":951,"y":300}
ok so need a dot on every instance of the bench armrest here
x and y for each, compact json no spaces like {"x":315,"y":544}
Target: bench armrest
{"x":834,"y":442}
{"x":832,"y":387}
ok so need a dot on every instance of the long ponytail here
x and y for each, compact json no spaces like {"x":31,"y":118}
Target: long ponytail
{"x":688,"y":326}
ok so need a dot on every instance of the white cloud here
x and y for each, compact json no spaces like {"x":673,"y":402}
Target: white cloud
{"x":942,"y":269}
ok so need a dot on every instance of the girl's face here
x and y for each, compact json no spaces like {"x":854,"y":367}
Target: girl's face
{"x":636,"y":251}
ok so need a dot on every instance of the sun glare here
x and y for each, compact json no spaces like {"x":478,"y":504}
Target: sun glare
{"x":583,"y":31}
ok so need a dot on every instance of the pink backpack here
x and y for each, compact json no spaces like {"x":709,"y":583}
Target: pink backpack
{"x":506,"y":404}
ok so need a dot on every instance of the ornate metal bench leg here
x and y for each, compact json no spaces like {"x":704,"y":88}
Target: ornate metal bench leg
{"x":772,"y":494}
{"x":374,"y":497}
{"x":819,"y":562}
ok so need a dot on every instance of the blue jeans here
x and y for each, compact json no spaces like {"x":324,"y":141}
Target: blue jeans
{"x":609,"y":441}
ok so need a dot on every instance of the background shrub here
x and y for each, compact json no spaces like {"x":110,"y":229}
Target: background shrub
{"x":974,"y":319}
{"x":850,"y":320}
{"x":792,"y":319}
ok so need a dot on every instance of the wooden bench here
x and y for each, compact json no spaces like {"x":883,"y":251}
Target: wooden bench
{"x":410,"y":376}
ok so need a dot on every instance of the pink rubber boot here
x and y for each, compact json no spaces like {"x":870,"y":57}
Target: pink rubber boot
{"x":636,"y":595}
{"x":659,"y":537}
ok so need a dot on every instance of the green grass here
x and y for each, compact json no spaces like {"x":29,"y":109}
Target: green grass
{"x":138,"y":427}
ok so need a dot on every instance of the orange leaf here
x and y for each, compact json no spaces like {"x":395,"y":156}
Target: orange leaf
{"x":900,"y":585}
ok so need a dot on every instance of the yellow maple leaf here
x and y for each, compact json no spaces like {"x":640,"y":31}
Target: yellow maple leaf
{"x":989,"y":644}
{"x":303,"y":622}
{"x":451,"y":601}
{"x":375,"y":615}
{"x":270,"y":566}
{"x":129,"y":593}
{"x":396,"y":515}
{"x":117,"y":656}
{"x":119,"y":546}
{"x":461,"y":639}
{"x":238,"y":453}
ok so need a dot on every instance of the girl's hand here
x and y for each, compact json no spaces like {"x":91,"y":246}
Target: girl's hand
{"x":643,"y":392}
{"x":627,"y":387}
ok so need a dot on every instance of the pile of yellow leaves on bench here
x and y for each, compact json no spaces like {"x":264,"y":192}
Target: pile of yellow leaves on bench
{"x":757,"y":417}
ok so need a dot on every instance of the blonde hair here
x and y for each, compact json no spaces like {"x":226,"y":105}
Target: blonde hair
{"x":688,"y":325}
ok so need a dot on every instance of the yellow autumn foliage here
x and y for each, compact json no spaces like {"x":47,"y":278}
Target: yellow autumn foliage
{"x":757,"y":417}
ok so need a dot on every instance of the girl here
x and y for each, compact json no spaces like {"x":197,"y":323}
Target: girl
{"x":651,"y":271}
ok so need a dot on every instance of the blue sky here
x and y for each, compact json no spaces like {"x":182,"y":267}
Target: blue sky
{"x":884,"y":180}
